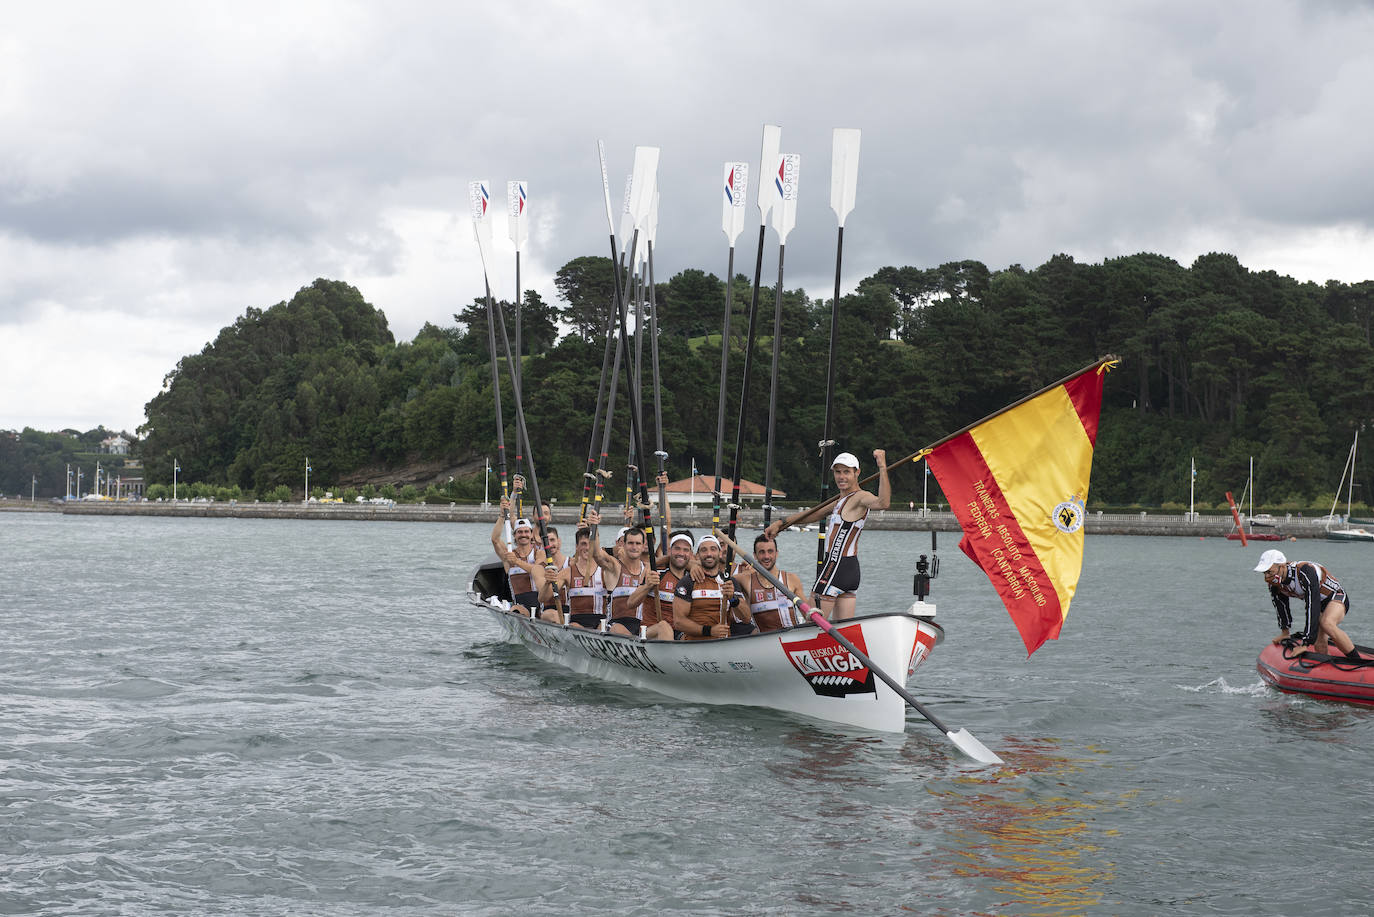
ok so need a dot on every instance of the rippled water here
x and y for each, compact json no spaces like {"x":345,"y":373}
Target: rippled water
{"x":238,"y":716}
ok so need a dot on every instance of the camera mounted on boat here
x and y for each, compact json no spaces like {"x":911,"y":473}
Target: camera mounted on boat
{"x":926,"y":570}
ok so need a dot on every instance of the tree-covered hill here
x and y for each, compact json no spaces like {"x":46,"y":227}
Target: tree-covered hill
{"x":1218,"y":363}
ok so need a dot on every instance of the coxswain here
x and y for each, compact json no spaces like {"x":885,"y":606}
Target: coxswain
{"x":838,"y":580}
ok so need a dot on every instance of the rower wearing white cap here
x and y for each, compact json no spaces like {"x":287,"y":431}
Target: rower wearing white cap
{"x":1323,"y":598}
{"x":673,"y":568}
{"x":839,"y":576}
{"x":705,"y":603}
{"x":523,"y":560}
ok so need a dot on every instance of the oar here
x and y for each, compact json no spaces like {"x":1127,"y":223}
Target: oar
{"x":844,"y":182}
{"x":787,"y":180}
{"x":767,"y":199}
{"x":515,"y":222}
{"x":480,"y":200}
{"x":736,"y":181}
{"x":661,"y":455}
{"x":964,"y":740}
{"x":592,"y":476}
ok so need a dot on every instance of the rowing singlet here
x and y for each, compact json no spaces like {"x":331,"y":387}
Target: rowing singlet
{"x":841,"y":535}
{"x":667,"y":582}
{"x":586,"y":594}
{"x":620,"y":595}
{"x":560,"y":597}
{"x":770,"y":608}
{"x":521,"y":583}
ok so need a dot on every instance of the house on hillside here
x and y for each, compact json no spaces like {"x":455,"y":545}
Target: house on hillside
{"x":115,"y":445}
{"x":696,"y":490}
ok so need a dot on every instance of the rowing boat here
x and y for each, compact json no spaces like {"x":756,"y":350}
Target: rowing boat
{"x":1318,"y":675}
{"x":800,"y":670}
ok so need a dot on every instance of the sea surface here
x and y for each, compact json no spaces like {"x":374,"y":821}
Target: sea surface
{"x":237,"y":716}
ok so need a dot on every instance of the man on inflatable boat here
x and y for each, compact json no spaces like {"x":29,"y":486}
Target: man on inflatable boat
{"x":1323,"y":598}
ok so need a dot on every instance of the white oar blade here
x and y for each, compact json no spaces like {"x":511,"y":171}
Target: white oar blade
{"x":785,"y":182}
{"x":480,"y":199}
{"x":644,"y":181}
{"x":844,"y":171}
{"x":772,"y":142}
{"x":516,"y":199}
{"x":732,"y":207}
{"x":627,"y":222}
{"x":606,"y":187}
{"x":969,"y":745}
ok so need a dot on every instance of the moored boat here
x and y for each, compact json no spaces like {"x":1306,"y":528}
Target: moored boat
{"x":800,"y":670}
{"x":1333,"y":677}
{"x":1254,"y":536}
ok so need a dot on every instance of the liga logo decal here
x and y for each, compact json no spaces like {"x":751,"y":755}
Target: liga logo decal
{"x":1068,"y":516}
{"x":830,"y":669}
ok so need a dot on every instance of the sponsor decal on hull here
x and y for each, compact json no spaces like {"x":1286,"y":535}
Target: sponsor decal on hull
{"x":830,"y":669}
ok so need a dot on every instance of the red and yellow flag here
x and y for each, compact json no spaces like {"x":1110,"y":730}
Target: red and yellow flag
{"x":1018,"y":483}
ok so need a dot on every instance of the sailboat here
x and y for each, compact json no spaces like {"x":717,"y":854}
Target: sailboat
{"x":1344,"y":531}
{"x":1248,"y":523}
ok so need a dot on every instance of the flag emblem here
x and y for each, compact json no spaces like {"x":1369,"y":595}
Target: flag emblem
{"x":1068,"y":516}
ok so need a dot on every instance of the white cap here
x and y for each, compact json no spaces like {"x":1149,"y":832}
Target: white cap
{"x":705,"y":538}
{"x":1268,"y":559}
{"x":846,"y":459}
{"x":523,"y":524}
{"x":621,"y":534}
{"x":680,"y":536}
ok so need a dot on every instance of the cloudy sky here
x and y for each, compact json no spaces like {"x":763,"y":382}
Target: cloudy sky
{"x":164,"y":166}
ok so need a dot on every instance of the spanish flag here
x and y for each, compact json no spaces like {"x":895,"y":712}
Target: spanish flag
{"x":1018,"y":483}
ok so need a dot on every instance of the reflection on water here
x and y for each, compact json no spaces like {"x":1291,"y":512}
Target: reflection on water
{"x":1027,"y":830}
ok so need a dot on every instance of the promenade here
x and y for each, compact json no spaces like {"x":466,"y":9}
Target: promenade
{"x":1098,"y":523}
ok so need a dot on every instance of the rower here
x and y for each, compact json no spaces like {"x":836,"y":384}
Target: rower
{"x":770,"y":607}
{"x":522,"y":560}
{"x":703,"y":603}
{"x":838,"y":580}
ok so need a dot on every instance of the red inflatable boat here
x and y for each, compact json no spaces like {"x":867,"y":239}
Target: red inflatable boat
{"x":1334,"y":677}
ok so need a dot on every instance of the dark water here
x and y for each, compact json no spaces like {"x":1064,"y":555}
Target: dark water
{"x":287,"y":717}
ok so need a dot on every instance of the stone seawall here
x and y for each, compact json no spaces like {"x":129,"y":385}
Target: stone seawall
{"x":901,"y":520}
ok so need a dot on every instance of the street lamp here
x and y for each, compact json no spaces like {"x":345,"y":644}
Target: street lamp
{"x":79,"y":475}
{"x":175,"y":468}
{"x":486,"y":486}
{"x":307,"y":480}
{"x":33,"y":490}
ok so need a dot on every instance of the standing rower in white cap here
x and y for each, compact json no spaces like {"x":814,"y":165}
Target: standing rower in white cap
{"x":1323,"y":598}
{"x":839,"y":576}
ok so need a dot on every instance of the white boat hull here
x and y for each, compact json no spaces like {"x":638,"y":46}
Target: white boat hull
{"x":801,"y":670}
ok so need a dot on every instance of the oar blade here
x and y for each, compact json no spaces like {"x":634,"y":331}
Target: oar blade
{"x":786,"y":179}
{"x":968,"y":743}
{"x":768,"y":160}
{"x":736,"y":188}
{"x":844,"y":171}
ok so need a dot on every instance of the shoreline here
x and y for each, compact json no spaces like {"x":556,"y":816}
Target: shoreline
{"x":1097,"y":523}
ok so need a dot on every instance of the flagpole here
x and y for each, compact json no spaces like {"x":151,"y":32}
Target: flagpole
{"x":1192,"y":484}
{"x":1107,"y":361}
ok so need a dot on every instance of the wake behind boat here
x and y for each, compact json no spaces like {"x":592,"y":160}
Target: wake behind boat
{"x":800,"y":670}
{"x":1319,"y":675}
